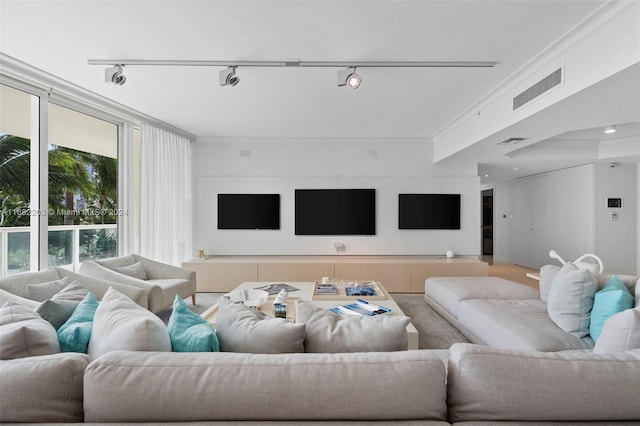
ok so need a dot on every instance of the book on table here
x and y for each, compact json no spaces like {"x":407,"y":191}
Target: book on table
{"x":275,"y":288}
{"x":360,"y":308}
{"x":322,"y":288}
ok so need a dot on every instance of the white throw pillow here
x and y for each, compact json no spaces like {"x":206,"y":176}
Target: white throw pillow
{"x":23,"y":333}
{"x":136,"y":271}
{"x":621,"y":332}
{"x":571,"y":299}
{"x":122,"y":325}
{"x":332,"y":333}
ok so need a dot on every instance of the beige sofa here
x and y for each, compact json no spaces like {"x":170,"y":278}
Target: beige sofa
{"x":17,"y":285}
{"x":474,"y":385}
{"x":504,"y":314}
{"x":162,"y":281}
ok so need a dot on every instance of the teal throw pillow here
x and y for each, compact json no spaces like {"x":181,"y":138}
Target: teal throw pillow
{"x":74,"y":334}
{"x":189,"y":332}
{"x":613,"y":298}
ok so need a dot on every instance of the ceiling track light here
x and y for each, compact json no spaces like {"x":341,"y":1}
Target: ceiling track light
{"x":228,"y":77}
{"x":115,"y":75}
{"x":349,"y":78}
{"x":610,"y":129}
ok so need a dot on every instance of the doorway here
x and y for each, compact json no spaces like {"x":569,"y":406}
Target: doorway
{"x":487,"y":222}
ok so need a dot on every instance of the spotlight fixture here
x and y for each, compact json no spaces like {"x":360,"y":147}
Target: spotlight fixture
{"x":115,"y":75}
{"x":228,"y":77}
{"x":610,"y":129}
{"x":349,"y":78}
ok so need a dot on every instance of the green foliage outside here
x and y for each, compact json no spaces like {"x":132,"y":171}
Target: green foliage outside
{"x":72,"y":174}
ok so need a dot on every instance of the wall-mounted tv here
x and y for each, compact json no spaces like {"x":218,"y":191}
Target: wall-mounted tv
{"x":335,"y":211}
{"x":429,"y":211}
{"x":248,"y":211}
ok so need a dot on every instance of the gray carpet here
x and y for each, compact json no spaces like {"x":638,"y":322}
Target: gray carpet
{"x":434,"y":332}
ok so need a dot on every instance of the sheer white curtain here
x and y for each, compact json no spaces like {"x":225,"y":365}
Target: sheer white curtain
{"x":166,"y":218}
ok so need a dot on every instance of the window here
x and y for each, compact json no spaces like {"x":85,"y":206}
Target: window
{"x":83,"y":187}
{"x":17,"y":110}
{"x":77,"y":190}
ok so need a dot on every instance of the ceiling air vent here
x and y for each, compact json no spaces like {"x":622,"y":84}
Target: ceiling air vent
{"x":547,"y":83}
{"x":510,"y":141}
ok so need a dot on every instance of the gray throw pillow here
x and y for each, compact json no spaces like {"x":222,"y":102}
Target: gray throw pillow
{"x":621,"y":332}
{"x":59,"y":308}
{"x":136,"y":271}
{"x":332,"y":333}
{"x":44,"y":291}
{"x":23,"y":333}
{"x":243,"y":329}
{"x":571,"y":299}
{"x":120,"y":324}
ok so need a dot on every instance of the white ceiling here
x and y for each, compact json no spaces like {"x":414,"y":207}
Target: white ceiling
{"x":289,"y":103}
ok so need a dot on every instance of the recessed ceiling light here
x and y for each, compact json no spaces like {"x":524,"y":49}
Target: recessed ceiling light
{"x":610,"y":129}
{"x":486,"y":175}
{"x":516,"y":168}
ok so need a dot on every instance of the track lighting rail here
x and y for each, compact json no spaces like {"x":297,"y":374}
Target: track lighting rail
{"x":296,"y":63}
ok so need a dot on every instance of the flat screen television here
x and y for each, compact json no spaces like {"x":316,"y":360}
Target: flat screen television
{"x":429,"y":211}
{"x":248,"y":211}
{"x":335,"y":212}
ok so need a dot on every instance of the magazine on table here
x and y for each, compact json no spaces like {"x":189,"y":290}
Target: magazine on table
{"x":275,"y":288}
{"x":360,"y":308}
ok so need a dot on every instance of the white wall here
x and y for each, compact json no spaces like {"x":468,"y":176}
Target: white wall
{"x":590,"y":225}
{"x":281,"y":167}
{"x":503,"y":222}
{"x":616,"y":241}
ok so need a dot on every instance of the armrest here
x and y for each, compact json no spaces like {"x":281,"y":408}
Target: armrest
{"x":95,"y":270}
{"x":159,"y":270}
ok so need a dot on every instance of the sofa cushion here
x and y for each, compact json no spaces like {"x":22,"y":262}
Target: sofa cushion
{"x":613,"y":298}
{"x":621,"y":332}
{"x":190,"y":332}
{"x":381,"y":386}
{"x":492,"y":385}
{"x":517,"y":324}
{"x":547,"y":275}
{"x":17,"y":284}
{"x":333,"y":333}
{"x":6,"y":296}
{"x":243,"y":329}
{"x":43,"y":291}
{"x":43,"y":389}
{"x":571,"y":299}
{"x":448,"y":292}
{"x":59,"y":308}
{"x":23,"y":333}
{"x":75,"y":333}
{"x":136,"y":271}
{"x":120,"y":324}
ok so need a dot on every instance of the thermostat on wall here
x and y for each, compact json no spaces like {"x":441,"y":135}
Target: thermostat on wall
{"x":614,"y":203}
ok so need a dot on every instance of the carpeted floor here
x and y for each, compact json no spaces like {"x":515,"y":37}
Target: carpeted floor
{"x":434,"y":332}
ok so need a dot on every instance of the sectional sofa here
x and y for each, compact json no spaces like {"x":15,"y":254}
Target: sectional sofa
{"x":504,"y":314}
{"x":467,"y":385}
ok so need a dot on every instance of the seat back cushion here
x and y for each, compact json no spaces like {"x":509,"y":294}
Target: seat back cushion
{"x":120,"y":324}
{"x":41,"y":389}
{"x":333,"y":333}
{"x":487,"y":384}
{"x":23,"y":333}
{"x":621,"y":332}
{"x":243,"y":329}
{"x":571,"y":299}
{"x":17,"y":284}
{"x":381,"y":386}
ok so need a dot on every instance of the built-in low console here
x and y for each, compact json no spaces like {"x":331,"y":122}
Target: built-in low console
{"x":400,"y":274}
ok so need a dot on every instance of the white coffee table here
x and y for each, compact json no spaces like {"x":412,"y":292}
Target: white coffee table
{"x":306,"y":293}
